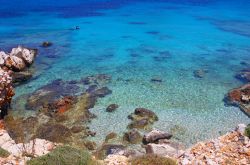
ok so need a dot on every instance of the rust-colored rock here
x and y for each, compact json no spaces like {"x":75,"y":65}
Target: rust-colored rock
{"x":6,"y":91}
{"x":240,"y":97}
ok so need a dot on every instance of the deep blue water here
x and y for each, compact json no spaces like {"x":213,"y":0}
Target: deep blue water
{"x":134,"y":41}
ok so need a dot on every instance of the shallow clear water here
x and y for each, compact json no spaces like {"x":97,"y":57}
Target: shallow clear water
{"x":135,"y":41}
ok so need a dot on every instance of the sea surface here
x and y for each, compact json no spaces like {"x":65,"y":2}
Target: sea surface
{"x":135,"y":41}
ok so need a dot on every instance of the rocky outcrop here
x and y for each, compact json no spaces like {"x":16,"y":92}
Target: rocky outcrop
{"x":155,"y":135}
{"x":6,"y":91}
{"x":21,"y":152}
{"x":240,"y":97}
{"x":18,"y":59}
{"x":231,"y":148}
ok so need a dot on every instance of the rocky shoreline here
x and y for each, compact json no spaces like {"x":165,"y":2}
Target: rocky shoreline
{"x":62,"y":114}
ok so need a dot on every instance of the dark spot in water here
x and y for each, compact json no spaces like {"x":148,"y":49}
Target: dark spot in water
{"x":153,"y":32}
{"x":135,"y":55}
{"x":137,"y":23}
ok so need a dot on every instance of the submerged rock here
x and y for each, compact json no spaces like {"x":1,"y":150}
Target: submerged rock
{"x":200,"y":73}
{"x":21,"y":77}
{"x":102,"y":92}
{"x":59,"y":106}
{"x":132,"y":136}
{"x":244,"y":75}
{"x":50,"y":93}
{"x":240,"y":97}
{"x":112,"y":107}
{"x":156,"y":80}
{"x":142,"y":118}
{"x":54,"y":132}
{"x":155,"y":135}
{"x":110,"y":136}
{"x":46,"y":44}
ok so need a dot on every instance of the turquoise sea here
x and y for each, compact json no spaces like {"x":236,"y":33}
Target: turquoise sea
{"x":135,"y":41}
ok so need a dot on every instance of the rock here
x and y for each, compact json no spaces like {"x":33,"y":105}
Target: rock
{"x":46,"y":44}
{"x":241,"y":128}
{"x":143,"y":112}
{"x":21,"y":77}
{"x":240,"y":97}
{"x":102,"y":92}
{"x":6,"y":92}
{"x":54,"y":132}
{"x":161,"y":149}
{"x":155,"y":135}
{"x":59,"y":106}
{"x":243,"y":75}
{"x":90,"y":145}
{"x":19,"y":151}
{"x":111,"y":135}
{"x":132,"y":136}
{"x":141,"y":118}
{"x":51,"y":93}
{"x":231,"y":148}
{"x":108,"y":149}
{"x":156,"y":80}
{"x":99,"y":79}
{"x":112,"y":107}
{"x":142,"y":124}
{"x":77,"y":129}
{"x":200,"y":73}
{"x":26,"y":54}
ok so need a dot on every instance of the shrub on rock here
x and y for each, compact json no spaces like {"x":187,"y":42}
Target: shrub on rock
{"x":152,"y":159}
{"x":64,"y":155}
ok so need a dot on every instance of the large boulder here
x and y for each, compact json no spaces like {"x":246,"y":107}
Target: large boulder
{"x":162,"y":150}
{"x":155,"y":135}
{"x":18,"y":59}
{"x":26,"y":54}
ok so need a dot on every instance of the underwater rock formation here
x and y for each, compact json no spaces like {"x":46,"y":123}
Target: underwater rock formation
{"x":46,"y":44}
{"x":112,"y":107}
{"x":200,"y":73}
{"x":132,"y":136}
{"x":240,"y":97}
{"x":142,"y":118}
{"x":6,"y":91}
{"x":244,"y":75}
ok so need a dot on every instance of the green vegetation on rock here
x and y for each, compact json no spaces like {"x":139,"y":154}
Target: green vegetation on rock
{"x":64,"y":155}
{"x":247,"y":131}
{"x":152,"y":160}
{"x":3,"y":153}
